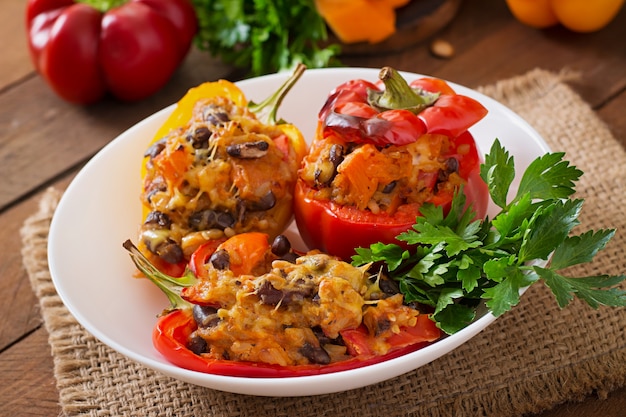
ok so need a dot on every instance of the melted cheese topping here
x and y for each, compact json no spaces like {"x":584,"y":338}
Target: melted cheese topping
{"x":281,"y":316}
{"x":196,"y":174}
{"x":379,"y":178}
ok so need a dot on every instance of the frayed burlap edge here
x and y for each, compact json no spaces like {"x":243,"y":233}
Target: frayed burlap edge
{"x":96,"y":381}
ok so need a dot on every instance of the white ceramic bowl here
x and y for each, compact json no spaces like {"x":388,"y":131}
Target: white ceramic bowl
{"x":101,"y":209}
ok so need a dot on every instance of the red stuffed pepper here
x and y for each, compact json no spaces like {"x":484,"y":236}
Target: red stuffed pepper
{"x":249,"y":308}
{"x":381,"y":151}
{"x":129,"y":49}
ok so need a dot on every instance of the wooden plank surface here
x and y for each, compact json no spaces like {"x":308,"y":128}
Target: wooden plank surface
{"x":29,"y":387}
{"x":44,"y":141}
{"x":36,"y":126}
{"x":15,"y":62}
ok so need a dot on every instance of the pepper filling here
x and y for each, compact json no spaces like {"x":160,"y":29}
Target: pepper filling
{"x":223,"y":173}
{"x":295,"y":312}
{"x":381,"y":178}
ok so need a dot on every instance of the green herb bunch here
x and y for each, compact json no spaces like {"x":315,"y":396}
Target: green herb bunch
{"x":456,"y":263}
{"x":264,"y":36}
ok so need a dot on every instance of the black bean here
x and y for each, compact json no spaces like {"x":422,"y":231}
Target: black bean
{"x":205,"y":316}
{"x":315,"y":354}
{"x":268,"y":294}
{"x":336,"y":154}
{"x":442,"y":176}
{"x":224,"y":219}
{"x":266,"y":202}
{"x":388,"y":286}
{"x":220,"y":259}
{"x":197,"y":345}
{"x":156,"y":148}
{"x":381,"y":326}
{"x":452,"y":165}
{"x":216,"y":118}
{"x":281,"y":245}
{"x":325,"y":340}
{"x":155,"y":187}
{"x":290,"y":257}
{"x":389,"y":187}
{"x":170,"y":252}
{"x":248,"y":150}
{"x":200,"y":137}
{"x":158,"y":218}
{"x":210,"y":219}
{"x":298,"y":295}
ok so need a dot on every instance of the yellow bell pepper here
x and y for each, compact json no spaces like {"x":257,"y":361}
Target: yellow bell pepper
{"x":183,"y":111}
{"x":240,"y":171}
{"x":184,"y":108}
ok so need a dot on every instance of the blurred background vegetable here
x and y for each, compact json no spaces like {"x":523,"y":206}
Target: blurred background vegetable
{"x":360,"y":20}
{"x":130,"y":49}
{"x":86,"y":49}
{"x":577,"y":15}
{"x":264,"y":36}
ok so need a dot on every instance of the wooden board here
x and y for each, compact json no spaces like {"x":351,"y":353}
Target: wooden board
{"x":415,"y":22}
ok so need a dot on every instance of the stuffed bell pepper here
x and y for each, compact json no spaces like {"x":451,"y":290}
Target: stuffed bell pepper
{"x":217,"y":168}
{"x":255,"y":308}
{"x":380,"y":152}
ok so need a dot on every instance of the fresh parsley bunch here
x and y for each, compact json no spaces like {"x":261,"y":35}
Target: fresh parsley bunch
{"x":264,"y":36}
{"x":456,"y":263}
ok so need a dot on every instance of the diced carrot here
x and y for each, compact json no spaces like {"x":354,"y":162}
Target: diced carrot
{"x":247,"y":252}
{"x":364,"y":169}
{"x":173,"y":166}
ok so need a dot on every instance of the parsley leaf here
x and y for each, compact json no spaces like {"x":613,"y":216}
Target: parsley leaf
{"x":549,"y":177}
{"x":548,"y":228}
{"x":458,"y":265}
{"x":594,"y":290}
{"x":580,"y":249}
{"x":498,"y":172}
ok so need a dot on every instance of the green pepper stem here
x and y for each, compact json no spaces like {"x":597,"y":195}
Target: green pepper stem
{"x":398,"y":94}
{"x":170,"y":286}
{"x":103,"y":5}
{"x":267,"y":109}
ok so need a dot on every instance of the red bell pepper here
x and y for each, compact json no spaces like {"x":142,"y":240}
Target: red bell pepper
{"x":360,"y":112}
{"x":171,"y":335}
{"x":129,"y":49}
{"x":398,"y":113}
{"x":174,"y":329}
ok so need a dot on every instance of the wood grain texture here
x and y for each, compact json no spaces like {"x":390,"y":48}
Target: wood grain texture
{"x":415,"y":22}
{"x":18,"y":309}
{"x":28,"y":385}
{"x":15,"y":64}
{"x":38,"y":126}
{"x":44,"y":141}
{"x":612,"y":113}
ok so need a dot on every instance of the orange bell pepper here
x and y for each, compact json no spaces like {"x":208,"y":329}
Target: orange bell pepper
{"x":577,"y":15}
{"x":360,"y":20}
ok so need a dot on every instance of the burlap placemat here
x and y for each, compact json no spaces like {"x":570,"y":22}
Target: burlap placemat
{"x":530,"y":359}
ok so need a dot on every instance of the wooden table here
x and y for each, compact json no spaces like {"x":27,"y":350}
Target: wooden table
{"x":45,"y":141}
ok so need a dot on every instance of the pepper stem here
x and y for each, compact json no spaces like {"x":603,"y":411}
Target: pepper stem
{"x":170,"y":286}
{"x":103,"y":5}
{"x":398,"y":94}
{"x":267,"y":109}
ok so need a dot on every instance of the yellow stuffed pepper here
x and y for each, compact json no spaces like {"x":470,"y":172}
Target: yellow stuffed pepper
{"x":216,"y":169}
